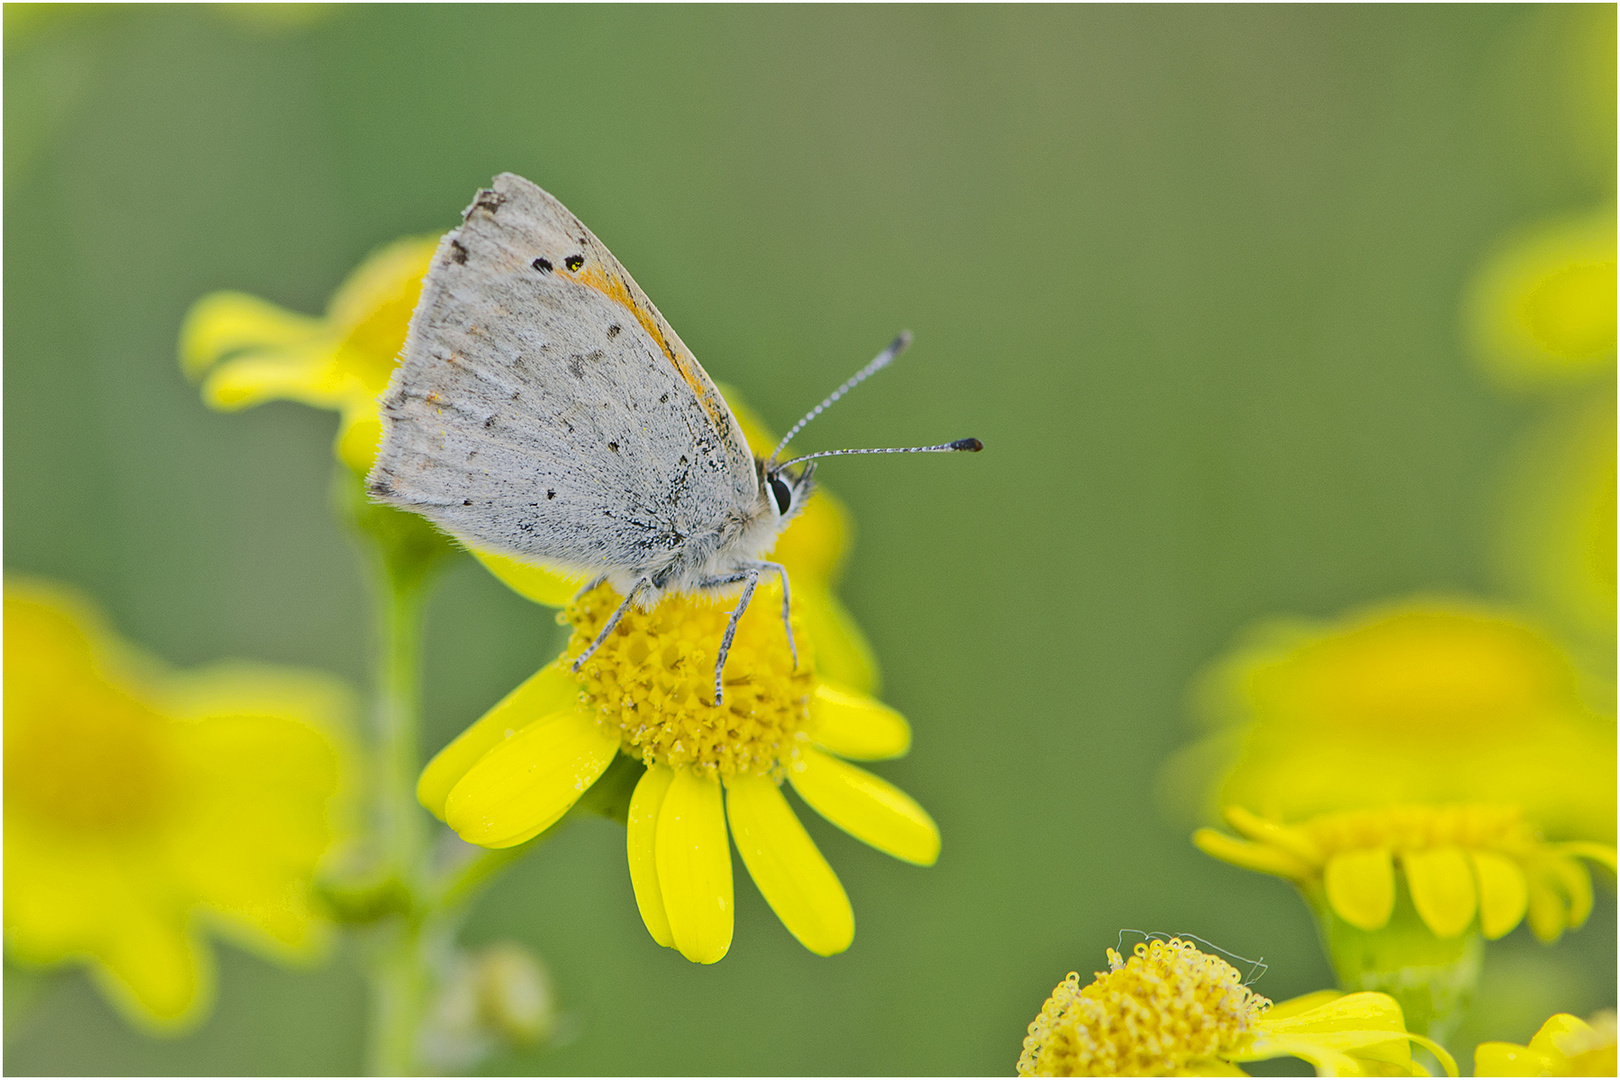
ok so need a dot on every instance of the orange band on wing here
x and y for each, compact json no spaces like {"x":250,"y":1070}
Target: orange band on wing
{"x":613,"y":287}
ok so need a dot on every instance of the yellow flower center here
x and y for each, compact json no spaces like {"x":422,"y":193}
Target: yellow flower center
{"x":1167,"y":1007}
{"x":1472,"y":826}
{"x":653,"y":680}
{"x":85,"y":757}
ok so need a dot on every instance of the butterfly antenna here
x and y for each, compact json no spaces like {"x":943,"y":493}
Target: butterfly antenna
{"x":883,"y":360}
{"x":972,"y":446}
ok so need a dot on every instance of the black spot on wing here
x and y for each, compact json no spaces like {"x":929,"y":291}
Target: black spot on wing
{"x":542,"y":264}
{"x":574,"y":262}
{"x":458,"y":254}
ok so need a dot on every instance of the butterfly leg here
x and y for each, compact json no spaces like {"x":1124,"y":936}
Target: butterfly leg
{"x":787,"y":605}
{"x":751,"y":576}
{"x":613,"y":621}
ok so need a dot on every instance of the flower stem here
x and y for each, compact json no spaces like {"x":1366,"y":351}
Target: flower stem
{"x":400,"y":980}
{"x":399,"y":707}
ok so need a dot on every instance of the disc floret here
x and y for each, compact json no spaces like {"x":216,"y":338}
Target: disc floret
{"x":652,"y":681}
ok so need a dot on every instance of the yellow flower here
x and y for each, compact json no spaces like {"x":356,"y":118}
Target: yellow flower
{"x":253,"y":351}
{"x":1565,"y":1046}
{"x":143,"y":807}
{"x":523,"y":765}
{"x":1172,"y":1010}
{"x":1559,"y":539}
{"x":1436,"y":738}
{"x":1542,"y":311}
{"x":1458,"y":863}
{"x":1427,"y":702}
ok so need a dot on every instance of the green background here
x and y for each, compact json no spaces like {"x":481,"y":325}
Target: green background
{"x":1192,"y":274}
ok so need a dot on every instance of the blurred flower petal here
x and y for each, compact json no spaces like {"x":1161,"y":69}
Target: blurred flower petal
{"x":1361,"y":887}
{"x":1442,"y":888}
{"x":1503,"y":893}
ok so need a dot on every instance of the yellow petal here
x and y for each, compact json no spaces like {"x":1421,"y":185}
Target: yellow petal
{"x":1258,"y":857}
{"x":1548,"y":911}
{"x":1296,"y":1006}
{"x":1599,"y":853}
{"x":525,"y":783}
{"x":1365,"y":1011}
{"x":1361,"y":887}
{"x":309,"y":375}
{"x":551,"y":586}
{"x":1368,"y":1025}
{"x":386,"y":286}
{"x":1503,"y":893}
{"x":1578,"y":887}
{"x":842,"y":652}
{"x":1506,"y":1059}
{"x":1442,"y":889}
{"x":868,"y":808}
{"x":812,"y":547}
{"x":853,"y":725}
{"x":1554,"y":1034}
{"x":159,"y":975}
{"x":784,"y":862}
{"x":641,"y":834}
{"x":549,"y":690}
{"x":230,"y":322}
{"x":694,"y":867}
{"x":358,"y":437}
{"x":1255,"y":827}
{"x":1326,"y":1060}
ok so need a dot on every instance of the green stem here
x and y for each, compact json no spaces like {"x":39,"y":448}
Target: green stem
{"x":399,"y":708}
{"x":400,"y":980}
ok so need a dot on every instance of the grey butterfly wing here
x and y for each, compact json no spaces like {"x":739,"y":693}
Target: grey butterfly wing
{"x":544,"y":408}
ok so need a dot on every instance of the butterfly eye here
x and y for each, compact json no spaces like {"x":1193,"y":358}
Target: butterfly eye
{"x":782,"y":494}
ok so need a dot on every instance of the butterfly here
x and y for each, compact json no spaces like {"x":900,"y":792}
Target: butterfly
{"x":544,"y":409}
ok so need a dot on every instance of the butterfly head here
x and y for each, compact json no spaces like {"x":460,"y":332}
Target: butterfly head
{"x":784,"y":490}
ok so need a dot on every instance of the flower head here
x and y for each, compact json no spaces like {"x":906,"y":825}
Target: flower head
{"x":1432,"y":702}
{"x":1427,"y":774}
{"x":252,"y":351}
{"x":1542,"y":311}
{"x":642,"y":694}
{"x":1458,"y":863}
{"x":1173,"y":1010}
{"x":142,"y":806}
{"x":1565,"y":1046}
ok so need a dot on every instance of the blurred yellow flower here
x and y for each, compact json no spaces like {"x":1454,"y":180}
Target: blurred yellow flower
{"x":1558,"y":544}
{"x":1456,"y":862}
{"x":647,"y":692}
{"x":1430,"y":702}
{"x":1172,"y":1010}
{"x":1542,"y":311}
{"x":1565,"y":1046}
{"x":144,"y":806}
{"x":252,"y":351}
